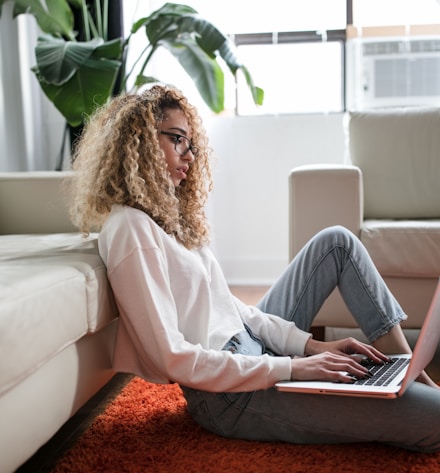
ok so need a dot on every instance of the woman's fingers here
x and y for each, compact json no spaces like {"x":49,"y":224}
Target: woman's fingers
{"x":351,"y":346}
{"x":328,"y":366}
{"x":372,"y":353}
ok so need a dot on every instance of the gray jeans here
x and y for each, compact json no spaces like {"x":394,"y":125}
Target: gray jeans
{"x":334,"y":257}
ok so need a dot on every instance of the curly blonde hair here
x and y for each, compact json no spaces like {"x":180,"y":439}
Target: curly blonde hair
{"x":118,"y":160}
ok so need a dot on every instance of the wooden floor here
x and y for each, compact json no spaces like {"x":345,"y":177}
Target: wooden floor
{"x":249,"y":294}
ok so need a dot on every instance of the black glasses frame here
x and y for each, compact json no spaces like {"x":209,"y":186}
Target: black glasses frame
{"x":194,"y":150}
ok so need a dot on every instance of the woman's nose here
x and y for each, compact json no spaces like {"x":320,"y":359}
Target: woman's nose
{"x":188,"y":156}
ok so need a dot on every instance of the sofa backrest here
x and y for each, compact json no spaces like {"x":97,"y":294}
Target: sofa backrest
{"x":398,"y":152}
{"x":33,"y":202}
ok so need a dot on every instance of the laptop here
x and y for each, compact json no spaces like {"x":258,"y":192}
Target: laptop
{"x":407,"y":367}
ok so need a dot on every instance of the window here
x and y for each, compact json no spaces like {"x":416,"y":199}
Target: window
{"x":293,"y":53}
{"x":309,"y":56}
{"x":301,"y":77}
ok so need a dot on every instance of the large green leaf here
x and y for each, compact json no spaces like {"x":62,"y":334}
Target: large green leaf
{"x":165,"y":17}
{"x":207,"y":36}
{"x":172,"y":21}
{"x":88,"y":72}
{"x":144,"y":80}
{"x":204,"y":71}
{"x":227,"y":53}
{"x":58,"y":60}
{"x":53,"y":16}
{"x":112,"y":49}
{"x":92,"y":85}
{"x":257,"y":92}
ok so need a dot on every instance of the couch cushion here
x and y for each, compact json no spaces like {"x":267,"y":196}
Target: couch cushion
{"x":34,"y":202}
{"x":404,"y":248}
{"x":398,"y":152}
{"x":53,"y":291}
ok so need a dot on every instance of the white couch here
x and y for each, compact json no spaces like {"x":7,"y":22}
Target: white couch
{"x":388,"y":194}
{"x":57,"y":315}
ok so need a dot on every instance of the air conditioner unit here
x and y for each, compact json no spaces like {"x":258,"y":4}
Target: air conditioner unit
{"x":393,"y":72}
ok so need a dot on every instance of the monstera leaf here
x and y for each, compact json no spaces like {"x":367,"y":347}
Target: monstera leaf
{"x":77,"y":76}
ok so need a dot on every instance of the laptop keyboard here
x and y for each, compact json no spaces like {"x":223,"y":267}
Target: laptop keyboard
{"x":382,"y":375}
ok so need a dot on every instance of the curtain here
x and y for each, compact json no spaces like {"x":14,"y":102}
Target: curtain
{"x":31,"y":129}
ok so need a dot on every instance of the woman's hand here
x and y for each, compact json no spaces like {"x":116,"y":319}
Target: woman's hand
{"x":345,"y":346}
{"x":333,"y":361}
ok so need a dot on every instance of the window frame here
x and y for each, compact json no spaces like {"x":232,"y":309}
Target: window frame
{"x":310,"y":36}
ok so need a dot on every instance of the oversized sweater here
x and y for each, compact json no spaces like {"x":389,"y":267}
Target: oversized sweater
{"x":177,"y":312}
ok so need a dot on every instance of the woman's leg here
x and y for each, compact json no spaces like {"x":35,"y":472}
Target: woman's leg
{"x":334,"y":258}
{"x":410,"y":421}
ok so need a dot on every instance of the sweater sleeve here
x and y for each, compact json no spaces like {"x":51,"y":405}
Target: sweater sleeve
{"x":279,"y":335}
{"x":150,"y":344}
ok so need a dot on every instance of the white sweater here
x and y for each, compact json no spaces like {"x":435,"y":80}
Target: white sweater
{"x":176,"y":313}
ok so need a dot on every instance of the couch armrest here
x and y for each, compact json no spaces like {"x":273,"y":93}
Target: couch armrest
{"x":34,"y":202}
{"x":322,"y":195}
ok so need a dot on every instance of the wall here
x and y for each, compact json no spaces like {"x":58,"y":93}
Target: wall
{"x":249,"y":205}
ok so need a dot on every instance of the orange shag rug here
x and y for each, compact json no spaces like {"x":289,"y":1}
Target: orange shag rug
{"x":146,"y":429}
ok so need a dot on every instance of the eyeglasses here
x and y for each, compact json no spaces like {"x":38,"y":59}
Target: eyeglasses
{"x":182,"y":144}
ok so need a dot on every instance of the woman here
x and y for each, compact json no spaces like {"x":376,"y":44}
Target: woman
{"x":142,"y":178}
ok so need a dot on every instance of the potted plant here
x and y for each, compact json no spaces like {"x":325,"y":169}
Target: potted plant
{"x":77,"y":74}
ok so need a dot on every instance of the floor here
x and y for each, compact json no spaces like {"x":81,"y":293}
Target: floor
{"x":43,"y":461}
{"x":249,"y":294}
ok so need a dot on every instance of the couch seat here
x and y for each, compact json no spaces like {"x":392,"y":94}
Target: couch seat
{"x":419,"y":240}
{"x":53,"y":291}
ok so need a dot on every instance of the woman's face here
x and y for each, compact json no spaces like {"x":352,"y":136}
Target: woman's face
{"x":175,"y":140}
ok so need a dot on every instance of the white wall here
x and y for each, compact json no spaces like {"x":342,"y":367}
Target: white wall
{"x":249,"y":205}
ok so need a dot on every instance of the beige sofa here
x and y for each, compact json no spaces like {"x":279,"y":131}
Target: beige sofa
{"x":388,"y":194}
{"x":57,"y":315}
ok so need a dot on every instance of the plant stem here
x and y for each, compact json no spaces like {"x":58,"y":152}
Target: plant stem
{"x":98,"y":15}
{"x":85,"y":18}
{"x":105,"y":20}
{"x":124,"y":83}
